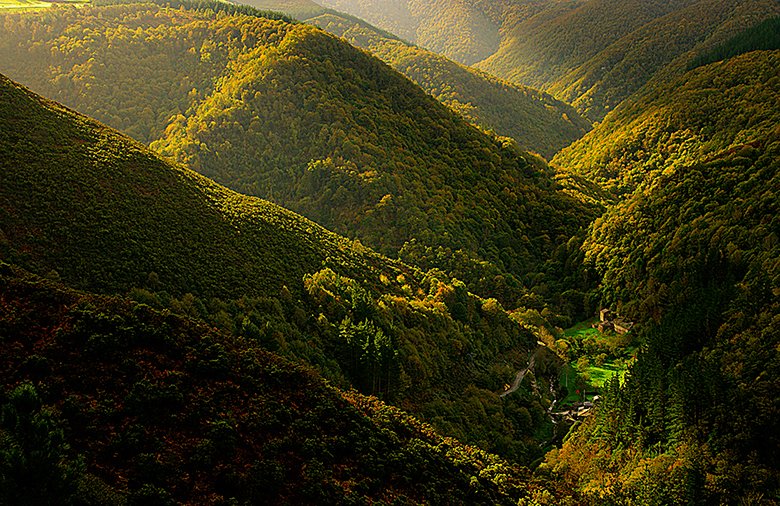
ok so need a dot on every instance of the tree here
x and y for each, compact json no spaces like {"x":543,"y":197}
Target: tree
{"x":36,"y":465}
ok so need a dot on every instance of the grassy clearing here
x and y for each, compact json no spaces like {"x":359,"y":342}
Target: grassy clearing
{"x":607,"y":354}
{"x":599,"y":376}
{"x":582,"y":330}
{"x":574,"y":384}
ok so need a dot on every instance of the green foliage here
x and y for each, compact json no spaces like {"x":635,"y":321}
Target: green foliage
{"x":289,"y":113}
{"x":263,"y":431}
{"x":657,"y":52}
{"x":86,"y":202}
{"x":592,"y":54}
{"x":607,"y":353}
{"x":763,"y":36}
{"x":36,"y":465}
{"x":691,"y":118}
{"x":299,"y":9}
{"x":206,"y":6}
{"x":395,"y":16}
{"x":541,"y":48}
{"x":535,"y":120}
{"x":462,"y":31}
{"x":120,"y":233}
{"x":595,"y":54}
{"x":694,"y":256}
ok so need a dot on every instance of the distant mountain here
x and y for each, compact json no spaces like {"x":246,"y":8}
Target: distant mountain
{"x":594,"y":54}
{"x":457,"y":29}
{"x":590,"y":53}
{"x":104,"y":401}
{"x":542,"y":48}
{"x":538,"y":122}
{"x":657,"y":52}
{"x":289,"y":113}
{"x":394,"y":16}
{"x":703,"y":112}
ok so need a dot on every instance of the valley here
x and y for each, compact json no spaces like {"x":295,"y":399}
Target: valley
{"x":407,"y":252}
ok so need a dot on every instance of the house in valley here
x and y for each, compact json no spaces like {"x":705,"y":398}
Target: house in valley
{"x":609,"y":320}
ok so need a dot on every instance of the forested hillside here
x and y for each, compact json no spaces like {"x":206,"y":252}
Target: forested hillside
{"x":164,"y":339}
{"x":83,"y":204}
{"x":706,"y":110}
{"x":289,"y":113}
{"x":658,"y":52}
{"x":395,"y":16}
{"x":595,"y":54}
{"x":104,"y":401}
{"x":542,"y":48}
{"x":59,"y":173}
{"x":695,"y":256}
{"x":538,"y":122}
{"x":690,"y":252}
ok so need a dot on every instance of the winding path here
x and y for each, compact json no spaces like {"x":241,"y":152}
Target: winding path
{"x":520,"y":376}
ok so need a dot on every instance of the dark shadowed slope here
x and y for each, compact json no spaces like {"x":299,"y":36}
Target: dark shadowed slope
{"x":104,"y":401}
{"x":85,"y":204}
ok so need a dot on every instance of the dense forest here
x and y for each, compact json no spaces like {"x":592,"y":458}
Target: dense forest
{"x":657,"y":52}
{"x":690,"y":251}
{"x":696,"y":256}
{"x":110,"y":402}
{"x":479,"y":328}
{"x":289,"y":113}
{"x":592,"y":54}
{"x":85,"y":205}
{"x":537,"y":121}
{"x":701,"y":113}
{"x":456,"y":29}
{"x":298,"y":9}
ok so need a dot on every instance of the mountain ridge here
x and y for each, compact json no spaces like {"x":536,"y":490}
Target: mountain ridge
{"x":84,"y":204}
{"x":537,"y":121}
{"x":301,"y":118}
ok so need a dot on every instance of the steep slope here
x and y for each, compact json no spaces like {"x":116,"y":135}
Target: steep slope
{"x":103,"y":401}
{"x":374,"y":157}
{"x":394,"y":16}
{"x":706,"y":110}
{"x":541,"y":48}
{"x":104,"y":212}
{"x":97,"y":62}
{"x":694,"y":257}
{"x":535,"y":120}
{"x":289,"y":113}
{"x":691,"y":254}
{"x":590,"y":53}
{"x":84,"y":204}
